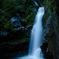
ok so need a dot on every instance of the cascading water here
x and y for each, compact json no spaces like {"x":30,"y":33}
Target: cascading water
{"x":36,"y":37}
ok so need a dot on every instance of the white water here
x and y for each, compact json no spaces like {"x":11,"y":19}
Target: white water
{"x":36,"y":37}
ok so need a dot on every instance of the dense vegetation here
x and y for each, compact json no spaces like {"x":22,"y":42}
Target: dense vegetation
{"x":10,"y":8}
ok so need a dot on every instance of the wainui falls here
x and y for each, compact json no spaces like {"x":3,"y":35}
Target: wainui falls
{"x":36,"y":37}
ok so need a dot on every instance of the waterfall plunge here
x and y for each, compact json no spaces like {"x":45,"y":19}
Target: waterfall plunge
{"x":36,"y":37}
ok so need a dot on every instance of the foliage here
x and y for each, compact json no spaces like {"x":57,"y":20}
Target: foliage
{"x":9,"y":8}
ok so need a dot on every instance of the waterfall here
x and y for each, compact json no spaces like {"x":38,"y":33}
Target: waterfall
{"x":36,"y":33}
{"x":36,"y":37}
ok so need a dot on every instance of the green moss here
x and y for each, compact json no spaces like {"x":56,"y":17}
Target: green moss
{"x":9,"y":8}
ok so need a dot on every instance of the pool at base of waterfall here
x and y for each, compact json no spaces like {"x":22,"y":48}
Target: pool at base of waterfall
{"x":30,"y":57}
{"x":35,"y":55}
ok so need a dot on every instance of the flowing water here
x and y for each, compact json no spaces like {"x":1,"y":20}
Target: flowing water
{"x":36,"y":37}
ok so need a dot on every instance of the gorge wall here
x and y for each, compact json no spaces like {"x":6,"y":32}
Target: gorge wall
{"x":51,"y":29}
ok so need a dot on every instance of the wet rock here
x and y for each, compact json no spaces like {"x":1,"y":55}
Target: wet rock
{"x":51,"y":36}
{"x":16,"y":23}
{"x":29,"y":28}
{"x":3,"y":33}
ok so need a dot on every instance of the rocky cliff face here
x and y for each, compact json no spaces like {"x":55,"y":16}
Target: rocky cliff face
{"x":51,"y":36}
{"x":51,"y":29}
